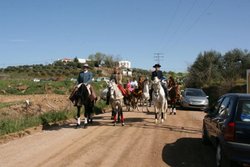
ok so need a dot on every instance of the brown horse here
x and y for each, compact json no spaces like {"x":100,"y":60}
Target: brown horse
{"x":173,"y":91}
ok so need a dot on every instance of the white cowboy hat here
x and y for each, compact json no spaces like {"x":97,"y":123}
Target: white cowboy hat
{"x":85,"y":65}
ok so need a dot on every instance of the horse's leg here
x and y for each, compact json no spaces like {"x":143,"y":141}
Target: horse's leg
{"x":137,"y":103}
{"x":90,"y":112}
{"x":115,"y":109}
{"x":121,"y":114}
{"x":115,"y":114}
{"x":162,"y":116}
{"x":156,"y":115}
{"x":86,"y":115}
{"x":148,"y":104}
{"x":142,"y":104}
{"x":174,"y":106}
{"x":165,"y":110}
{"x":78,"y":116}
{"x":171,"y":106}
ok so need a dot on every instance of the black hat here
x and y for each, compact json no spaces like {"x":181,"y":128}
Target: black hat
{"x":157,"y":65}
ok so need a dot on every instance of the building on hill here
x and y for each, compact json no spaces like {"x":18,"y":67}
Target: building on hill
{"x":125,"y":64}
{"x":81,"y":60}
{"x":127,"y":72}
{"x":66,"y":60}
{"x":126,"y":68}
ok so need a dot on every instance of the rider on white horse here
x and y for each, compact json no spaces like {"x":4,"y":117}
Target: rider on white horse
{"x":158,"y":73}
{"x":159,"y":100}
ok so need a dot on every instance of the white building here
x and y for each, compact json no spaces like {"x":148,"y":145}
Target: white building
{"x":127,"y":72}
{"x":125,"y":64}
{"x":81,"y":60}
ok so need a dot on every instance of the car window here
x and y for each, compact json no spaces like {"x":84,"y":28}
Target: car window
{"x":244,"y":110}
{"x":195,"y":93}
{"x":225,"y":107}
{"x":214,"y":109}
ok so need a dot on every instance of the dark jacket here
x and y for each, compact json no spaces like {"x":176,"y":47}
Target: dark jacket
{"x":157,"y":74}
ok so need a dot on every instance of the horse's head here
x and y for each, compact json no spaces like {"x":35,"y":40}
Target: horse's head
{"x":115,"y":92}
{"x":156,"y":85}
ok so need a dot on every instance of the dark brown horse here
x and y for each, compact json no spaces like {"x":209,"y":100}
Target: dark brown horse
{"x":84,"y":96}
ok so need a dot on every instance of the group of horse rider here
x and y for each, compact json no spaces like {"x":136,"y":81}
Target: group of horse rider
{"x":85,"y":77}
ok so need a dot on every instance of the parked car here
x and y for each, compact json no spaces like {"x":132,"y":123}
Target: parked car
{"x":227,"y":127}
{"x":194,"y":98}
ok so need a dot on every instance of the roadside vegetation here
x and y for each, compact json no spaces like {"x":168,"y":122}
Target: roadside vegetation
{"x":219,"y":73}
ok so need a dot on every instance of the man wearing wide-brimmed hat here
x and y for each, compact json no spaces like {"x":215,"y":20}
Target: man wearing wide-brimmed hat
{"x":85,"y":77}
{"x":158,"y":73}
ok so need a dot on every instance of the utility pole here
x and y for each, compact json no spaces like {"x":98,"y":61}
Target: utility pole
{"x":158,"y":57}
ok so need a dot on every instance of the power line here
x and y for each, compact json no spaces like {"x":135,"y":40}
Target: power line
{"x":195,"y":21}
{"x":182,"y":21}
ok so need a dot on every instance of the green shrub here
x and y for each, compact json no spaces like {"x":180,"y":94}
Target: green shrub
{"x":14,"y":125}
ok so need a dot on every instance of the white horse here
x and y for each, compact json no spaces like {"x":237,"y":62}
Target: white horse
{"x":159,"y":100}
{"x":145,"y":95}
{"x":116,"y":101}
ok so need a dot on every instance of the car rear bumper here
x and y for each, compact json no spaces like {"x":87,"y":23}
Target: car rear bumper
{"x":238,"y":152}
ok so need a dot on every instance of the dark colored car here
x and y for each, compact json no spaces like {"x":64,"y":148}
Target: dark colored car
{"x":194,"y":98}
{"x":227,"y":126}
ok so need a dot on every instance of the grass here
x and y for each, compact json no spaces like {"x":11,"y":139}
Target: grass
{"x":26,"y":87}
{"x":16,"y":124}
{"x":12,"y":125}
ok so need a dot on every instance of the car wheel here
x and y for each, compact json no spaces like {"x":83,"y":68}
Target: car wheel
{"x":205,"y":139}
{"x":221,"y":159}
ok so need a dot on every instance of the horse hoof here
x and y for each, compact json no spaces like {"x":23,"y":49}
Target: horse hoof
{"x":175,"y":113}
{"x":77,"y":126}
{"x":123,"y":124}
{"x":85,"y":126}
{"x":114,"y":124}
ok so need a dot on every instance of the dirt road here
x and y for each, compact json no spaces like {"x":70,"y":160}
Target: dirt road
{"x":140,"y":143}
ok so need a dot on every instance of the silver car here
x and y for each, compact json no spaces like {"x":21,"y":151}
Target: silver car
{"x":194,"y":98}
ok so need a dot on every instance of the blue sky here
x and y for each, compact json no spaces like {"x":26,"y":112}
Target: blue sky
{"x":42,"y":31}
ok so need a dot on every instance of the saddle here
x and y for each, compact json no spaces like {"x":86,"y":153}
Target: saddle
{"x":75,"y":93}
{"x":92,"y":94}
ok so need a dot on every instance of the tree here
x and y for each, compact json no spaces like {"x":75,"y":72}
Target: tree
{"x":205,"y":70}
{"x":97,"y":58}
{"x":232,"y":66}
{"x":245,"y":63}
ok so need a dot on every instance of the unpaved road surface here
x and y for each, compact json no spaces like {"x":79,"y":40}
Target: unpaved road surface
{"x":140,"y":143}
